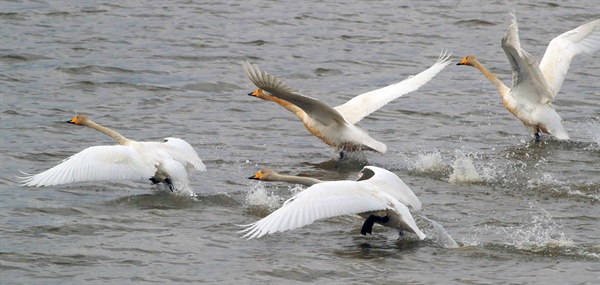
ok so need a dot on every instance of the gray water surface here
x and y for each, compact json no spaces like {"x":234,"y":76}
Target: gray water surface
{"x":520,"y":212}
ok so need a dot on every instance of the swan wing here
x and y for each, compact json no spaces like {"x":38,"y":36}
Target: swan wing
{"x":561,"y":50}
{"x":527,"y":76}
{"x":95,"y":163}
{"x":391,"y":184}
{"x":323,"y":200}
{"x":313,"y":107}
{"x":404,"y":214}
{"x":183,"y":152}
{"x":364,"y":104}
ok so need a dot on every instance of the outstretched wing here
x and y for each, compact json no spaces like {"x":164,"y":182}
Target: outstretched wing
{"x":315,"y":108}
{"x":527,"y":76}
{"x":363,"y":105}
{"x":562,"y":49}
{"x":95,"y":163}
{"x":320,"y":201}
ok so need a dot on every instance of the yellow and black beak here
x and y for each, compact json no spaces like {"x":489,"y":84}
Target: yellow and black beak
{"x":256,"y":176}
{"x":462,"y":62}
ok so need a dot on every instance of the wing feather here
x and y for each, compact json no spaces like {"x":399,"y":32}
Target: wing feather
{"x":95,"y":163}
{"x":526,"y":72}
{"x":313,"y":107}
{"x":364,"y":104}
{"x":336,"y":197}
{"x":561,"y":50}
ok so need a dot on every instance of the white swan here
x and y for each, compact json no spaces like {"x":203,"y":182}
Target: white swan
{"x":170,"y":162}
{"x":378,"y":195}
{"x":534,"y":87}
{"x":336,"y":126}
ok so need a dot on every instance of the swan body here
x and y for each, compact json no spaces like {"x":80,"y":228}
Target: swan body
{"x":336,"y":126}
{"x":170,"y":162}
{"x":378,"y":196}
{"x":534,"y":87}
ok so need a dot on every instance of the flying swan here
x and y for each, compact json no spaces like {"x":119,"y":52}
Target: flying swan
{"x":534,"y":87}
{"x":336,"y":126}
{"x":169,"y":162}
{"x":379,"y":196}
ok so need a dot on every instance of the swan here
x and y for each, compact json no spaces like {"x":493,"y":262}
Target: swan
{"x":534,"y":87}
{"x":169,"y":162}
{"x":336,"y":126}
{"x":378,"y":196}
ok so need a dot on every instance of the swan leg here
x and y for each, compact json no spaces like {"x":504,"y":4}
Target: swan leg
{"x":537,"y":136}
{"x":170,"y":184}
{"x":370,"y":221}
{"x":341,"y":155}
{"x":154,"y":180}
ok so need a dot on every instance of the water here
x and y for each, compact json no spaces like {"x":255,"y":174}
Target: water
{"x":498,"y":208}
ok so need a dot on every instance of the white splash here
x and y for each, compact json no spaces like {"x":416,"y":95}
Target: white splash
{"x":259,"y":196}
{"x":463,"y":170}
{"x":430,"y":162}
{"x":547,"y":182}
{"x":540,"y":235}
{"x":439,"y":235}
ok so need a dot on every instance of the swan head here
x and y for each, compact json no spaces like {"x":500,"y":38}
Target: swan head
{"x":80,"y":120}
{"x":468,"y":60}
{"x":259,"y":93}
{"x":263,"y":175}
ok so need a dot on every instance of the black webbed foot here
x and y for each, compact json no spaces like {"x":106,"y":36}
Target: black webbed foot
{"x":401,"y":233}
{"x":537,"y":137}
{"x":370,"y":221}
{"x":341,"y":155}
{"x":170,"y":184}
{"x":154,"y":180}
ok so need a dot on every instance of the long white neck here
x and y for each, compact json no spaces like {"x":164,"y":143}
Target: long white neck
{"x":113,"y":134}
{"x":504,"y":90}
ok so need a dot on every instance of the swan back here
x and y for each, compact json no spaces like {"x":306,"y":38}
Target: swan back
{"x":183,"y":152}
{"x":384,"y":180}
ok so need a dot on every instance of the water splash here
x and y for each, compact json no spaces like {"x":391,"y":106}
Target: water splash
{"x":258,"y":196}
{"x":546,"y":182}
{"x":430,"y":163}
{"x":541,"y":235}
{"x":463,"y":170}
{"x":439,"y":235}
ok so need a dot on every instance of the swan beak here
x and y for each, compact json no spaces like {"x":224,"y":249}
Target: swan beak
{"x":256,"y":93}
{"x":462,"y":62}
{"x":72,"y":121}
{"x":256,"y":176}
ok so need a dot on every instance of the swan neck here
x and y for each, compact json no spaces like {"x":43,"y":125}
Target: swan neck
{"x":113,"y":134}
{"x":307,"y":181}
{"x":504,"y":90}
